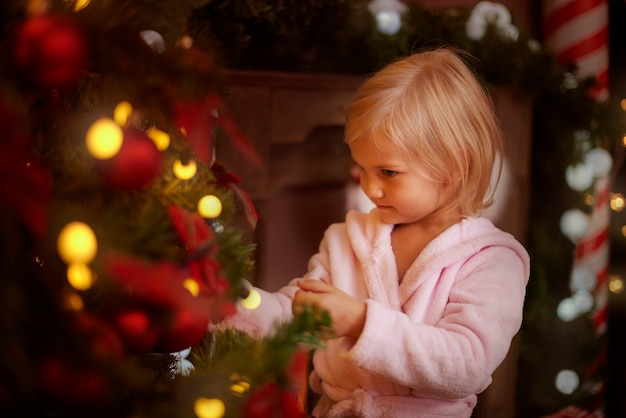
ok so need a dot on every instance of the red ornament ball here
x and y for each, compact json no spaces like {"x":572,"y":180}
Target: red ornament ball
{"x":186,"y":328}
{"x":270,"y":401}
{"x":137,"y":330}
{"x":135,"y":166}
{"x":49,"y":52}
{"x":73,"y":383}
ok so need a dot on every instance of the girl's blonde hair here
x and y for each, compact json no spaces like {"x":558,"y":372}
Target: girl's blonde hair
{"x":431,"y":107}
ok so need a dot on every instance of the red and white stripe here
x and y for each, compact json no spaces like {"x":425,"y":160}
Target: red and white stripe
{"x":577,"y":31}
{"x":592,"y":250}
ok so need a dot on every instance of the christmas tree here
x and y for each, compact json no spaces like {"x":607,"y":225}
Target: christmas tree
{"x":121,"y":236}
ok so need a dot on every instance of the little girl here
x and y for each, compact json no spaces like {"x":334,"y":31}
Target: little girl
{"x":424,"y":293}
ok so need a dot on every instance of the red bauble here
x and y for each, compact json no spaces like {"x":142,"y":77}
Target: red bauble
{"x":137,"y":330}
{"x":189,"y":325}
{"x":105,"y":343}
{"x":270,"y":401}
{"x":49,"y":52}
{"x":136,"y":165}
{"x":69,"y":382}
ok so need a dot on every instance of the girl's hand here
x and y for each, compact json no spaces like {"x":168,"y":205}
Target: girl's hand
{"x":346,"y":312}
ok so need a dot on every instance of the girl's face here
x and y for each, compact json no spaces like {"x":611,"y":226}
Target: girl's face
{"x":399,"y":188}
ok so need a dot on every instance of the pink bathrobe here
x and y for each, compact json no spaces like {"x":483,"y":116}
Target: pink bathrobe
{"x":432,"y":340}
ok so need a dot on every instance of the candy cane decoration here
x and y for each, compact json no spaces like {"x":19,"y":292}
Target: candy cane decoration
{"x":577,"y":32}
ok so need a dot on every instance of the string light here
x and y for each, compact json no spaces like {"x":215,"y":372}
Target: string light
{"x":104,"y":138}
{"x":210,"y":206}
{"x":192,"y":286}
{"x":161,"y":139}
{"x":74,"y":302}
{"x":617,"y":202}
{"x":616,"y":284}
{"x":80,"y":276}
{"x":209,"y":408}
{"x":81,"y":4}
{"x":122,"y":113}
{"x":77,"y":243}
{"x":184,"y":171}
{"x":252,"y":301}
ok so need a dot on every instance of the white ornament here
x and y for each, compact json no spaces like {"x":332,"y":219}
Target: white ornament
{"x":487,"y":13}
{"x":567,"y":381}
{"x":579,"y":177}
{"x":182,"y":365}
{"x":388,"y":15}
{"x":153,"y":39}
{"x":600,"y":161}
{"x":583,"y":300}
{"x":573,"y":224}
{"x":566,"y":310}
{"x":582,"y":278}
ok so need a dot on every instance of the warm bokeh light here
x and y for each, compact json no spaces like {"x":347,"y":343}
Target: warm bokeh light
{"x":74,"y":302}
{"x":209,"y":408}
{"x":80,"y":276}
{"x":185,"y":42}
{"x":617,"y":202}
{"x":81,"y":4}
{"x":252,"y":301}
{"x":240,"y":388}
{"x":192,"y":286}
{"x":616,"y":284}
{"x":590,"y":199}
{"x":104,"y":139}
{"x":184,"y":171}
{"x":77,"y":243}
{"x":623,"y":104}
{"x":161,"y":139}
{"x":210,"y":206}
{"x":122,"y":112}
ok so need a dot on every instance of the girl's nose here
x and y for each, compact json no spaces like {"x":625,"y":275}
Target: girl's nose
{"x":371,"y":188}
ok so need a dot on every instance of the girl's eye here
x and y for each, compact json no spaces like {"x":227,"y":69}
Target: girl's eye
{"x":388,"y":173}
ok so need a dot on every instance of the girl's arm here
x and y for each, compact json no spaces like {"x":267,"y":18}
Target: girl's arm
{"x":455,"y":356}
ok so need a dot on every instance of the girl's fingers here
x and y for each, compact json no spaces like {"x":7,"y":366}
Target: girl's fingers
{"x":313,"y":285}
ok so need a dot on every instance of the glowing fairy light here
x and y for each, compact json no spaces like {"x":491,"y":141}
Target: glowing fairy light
{"x":240,"y":388}
{"x":209,"y":408}
{"x":241,"y":384}
{"x":81,"y":4}
{"x":616,"y":284}
{"x":161,"y":139}
{"x":80,"y":276}
{"x":74,"y":302}
{"x":252,"y":301}
{"x":210,"y":206}
{"x":192,"y":286}
{"x":77,"y":243}
{"x":104,"y":139}
{"x":122,"y":112}
{"x":617,"y":202}
{"x":184,"y":171}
